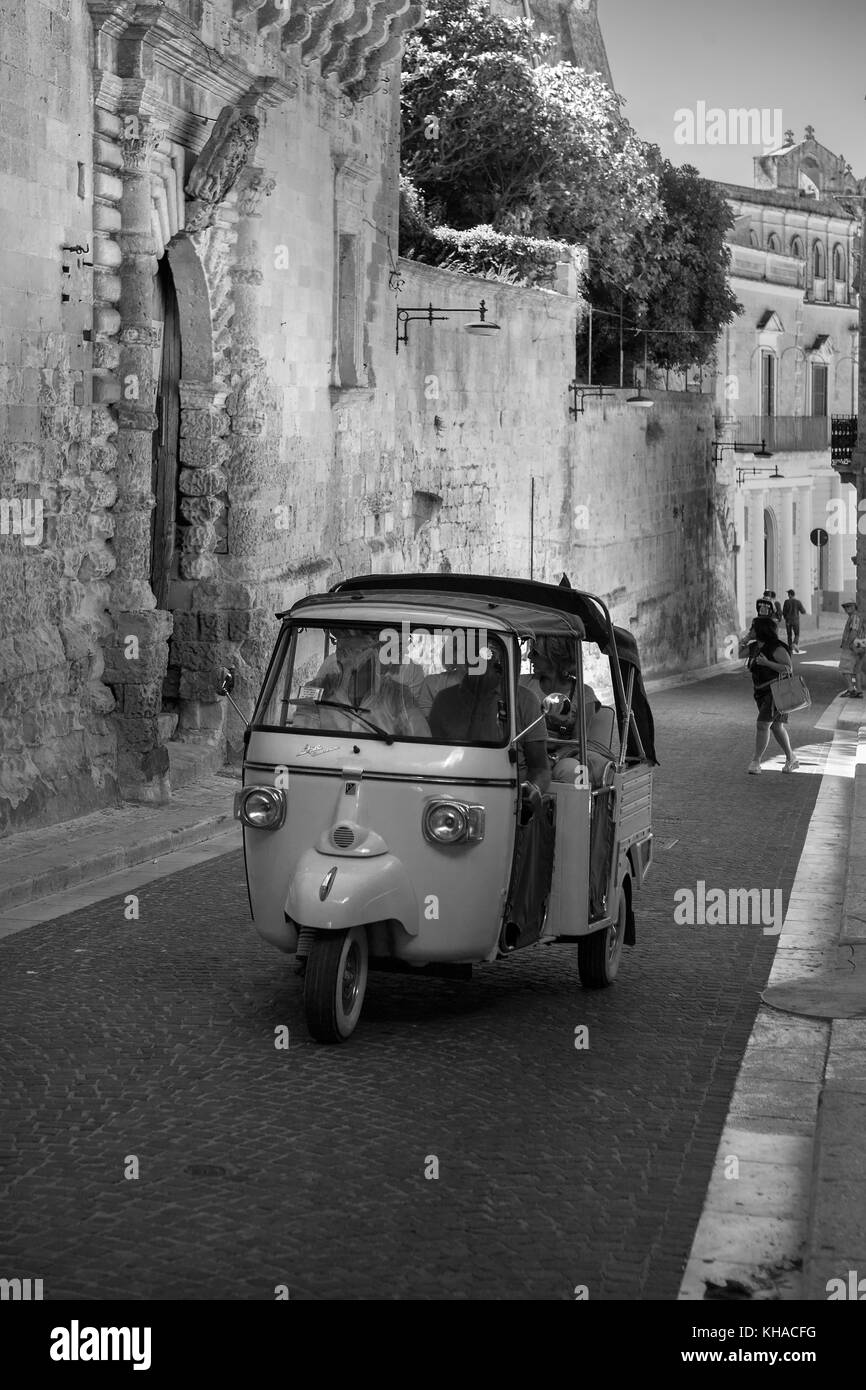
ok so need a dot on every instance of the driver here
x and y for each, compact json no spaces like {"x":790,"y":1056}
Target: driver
{"x":354,"y":675}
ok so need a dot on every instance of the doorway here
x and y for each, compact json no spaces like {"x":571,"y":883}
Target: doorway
{"x":166,"y":436}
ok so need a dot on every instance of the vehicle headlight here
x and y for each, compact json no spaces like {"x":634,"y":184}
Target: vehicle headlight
{"x":452,"y":822}
{"x":262,"y":808}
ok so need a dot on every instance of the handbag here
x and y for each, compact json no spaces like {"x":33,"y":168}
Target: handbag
{"x":790,"y":693}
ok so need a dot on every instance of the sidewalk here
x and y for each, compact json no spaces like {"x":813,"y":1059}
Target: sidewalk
{"x":793,"y":1218}
{"x":41,"y":863}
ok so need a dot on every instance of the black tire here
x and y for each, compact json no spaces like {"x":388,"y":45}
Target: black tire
{"x":599,"y":954}
{"x":335,"y":983}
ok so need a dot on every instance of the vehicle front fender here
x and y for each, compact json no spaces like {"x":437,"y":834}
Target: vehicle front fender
{"x":362,"y":891}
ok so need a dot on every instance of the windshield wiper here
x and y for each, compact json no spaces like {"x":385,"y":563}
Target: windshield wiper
{"x":347,"y":709}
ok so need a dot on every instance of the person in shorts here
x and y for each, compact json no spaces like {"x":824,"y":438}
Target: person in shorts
{"x":853,"y":647}
{"x":769,"y":657}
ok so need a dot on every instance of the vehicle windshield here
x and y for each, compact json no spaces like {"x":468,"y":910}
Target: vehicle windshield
{"x":407,"y":682}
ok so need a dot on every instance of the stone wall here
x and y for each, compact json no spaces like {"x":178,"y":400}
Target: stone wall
{"x":624,"y":497}
{"x":57,"y":752}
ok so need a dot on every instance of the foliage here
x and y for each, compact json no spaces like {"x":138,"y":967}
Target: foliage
{"x":543,"y":151}
{"x":496,"y":141}
{"x":516,"y":260}
{"x":682,"y":297}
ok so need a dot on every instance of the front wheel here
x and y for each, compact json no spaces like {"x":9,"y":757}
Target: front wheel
{"x":335,"y":982}
{"x":599,"y":954}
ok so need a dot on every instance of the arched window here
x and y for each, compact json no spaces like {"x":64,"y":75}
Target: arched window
{"x":838,"y":262}
{"x":772,"y":242}
{"x":819,"y":260}
{"x":753,"y":239}
{"x":797,"y":248}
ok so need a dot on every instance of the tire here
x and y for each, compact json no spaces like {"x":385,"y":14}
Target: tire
{"x":599,"y":954}
{"x":335,"y":983}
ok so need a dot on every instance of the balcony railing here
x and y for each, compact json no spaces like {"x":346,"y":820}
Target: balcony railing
{"x":843,"y":438}
{"x":784,"y":433}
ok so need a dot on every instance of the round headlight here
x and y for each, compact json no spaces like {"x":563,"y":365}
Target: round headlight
{"x":263,"y":808}
{"x":446,"y":822}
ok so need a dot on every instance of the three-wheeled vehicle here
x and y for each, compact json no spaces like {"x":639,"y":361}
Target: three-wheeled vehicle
{"x":389,"y":817}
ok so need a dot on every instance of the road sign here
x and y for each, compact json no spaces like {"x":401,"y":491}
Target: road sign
{"x":818,"y":536}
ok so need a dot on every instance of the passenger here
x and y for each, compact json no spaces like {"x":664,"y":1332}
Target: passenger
{"x":353,"y":675}
{"x":474,"y":711}
{"x":451,"y":674}
{"x":553,"y":674}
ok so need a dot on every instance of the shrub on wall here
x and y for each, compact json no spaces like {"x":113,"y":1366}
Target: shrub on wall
{"x":514,"y":259}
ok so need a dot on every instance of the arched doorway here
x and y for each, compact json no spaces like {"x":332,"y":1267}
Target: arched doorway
{"x":770,"y":549}
{"x":166,"y":436}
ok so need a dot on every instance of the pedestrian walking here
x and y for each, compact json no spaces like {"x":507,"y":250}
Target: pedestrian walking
{"x":791,"y":610}
{"x":777,"y":607}
{"x":769,"y":657}
{"x":853,"y":647}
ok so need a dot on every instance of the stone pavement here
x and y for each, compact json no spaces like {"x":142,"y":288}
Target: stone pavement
{"x":768,"y":1130}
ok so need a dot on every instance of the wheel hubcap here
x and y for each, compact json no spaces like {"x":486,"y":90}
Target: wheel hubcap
{"x":351,"y":972}
{"x":615,"y":934}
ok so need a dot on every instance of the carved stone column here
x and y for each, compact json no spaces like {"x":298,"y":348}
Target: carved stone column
{"x":252,"y":448}
{"x":136,"y":663}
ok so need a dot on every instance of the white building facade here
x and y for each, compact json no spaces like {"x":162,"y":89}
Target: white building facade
{"x":787,"y":377}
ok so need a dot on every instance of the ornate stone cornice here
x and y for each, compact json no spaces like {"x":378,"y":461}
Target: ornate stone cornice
{"x":352,"y":39}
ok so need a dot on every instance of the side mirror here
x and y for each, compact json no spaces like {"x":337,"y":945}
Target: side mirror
{"x":226,"y":686}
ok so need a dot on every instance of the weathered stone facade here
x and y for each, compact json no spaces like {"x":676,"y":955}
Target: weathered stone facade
{"x":134,"y":136}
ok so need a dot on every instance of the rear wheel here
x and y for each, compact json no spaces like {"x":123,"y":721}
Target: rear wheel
{"x":335,"y":982}
{"x":599,"y":954}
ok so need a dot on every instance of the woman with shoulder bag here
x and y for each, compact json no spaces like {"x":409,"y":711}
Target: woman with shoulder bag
{"x":769,"y":657}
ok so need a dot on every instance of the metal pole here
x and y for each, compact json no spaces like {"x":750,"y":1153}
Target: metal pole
{"x":620,"y":341}
{"x":589,"y":363}
{"x":531,"y":527}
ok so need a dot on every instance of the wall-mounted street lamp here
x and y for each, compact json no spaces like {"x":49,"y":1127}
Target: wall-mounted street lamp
{"x":741,"y":473}
{"x":482,"y":328}
{"x":759,"y":449}
{"x":579,"y":394}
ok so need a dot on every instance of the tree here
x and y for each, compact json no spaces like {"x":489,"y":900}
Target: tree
{"x":489,"y":136}
{"x":682,"y":297}
{"x":544,"y":151}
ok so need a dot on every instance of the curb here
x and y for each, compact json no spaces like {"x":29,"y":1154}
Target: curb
{"x":67,"y":855}
{"x":835,"y":1246}
{"x":56,"y":878}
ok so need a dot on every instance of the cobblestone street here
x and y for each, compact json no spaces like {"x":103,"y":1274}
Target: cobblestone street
{"x":154,"y":1040}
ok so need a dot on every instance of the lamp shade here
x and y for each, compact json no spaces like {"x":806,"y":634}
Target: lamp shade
{"x":483,"y":329}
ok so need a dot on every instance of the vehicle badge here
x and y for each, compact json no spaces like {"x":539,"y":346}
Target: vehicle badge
{"x":313,"y":750}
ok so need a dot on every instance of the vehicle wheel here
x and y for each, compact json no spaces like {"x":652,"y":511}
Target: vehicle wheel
{"x":335,"y":982}
{"x":599,"y":954}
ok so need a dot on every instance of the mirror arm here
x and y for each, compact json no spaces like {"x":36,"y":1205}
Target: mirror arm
{"x":238,"y":712}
